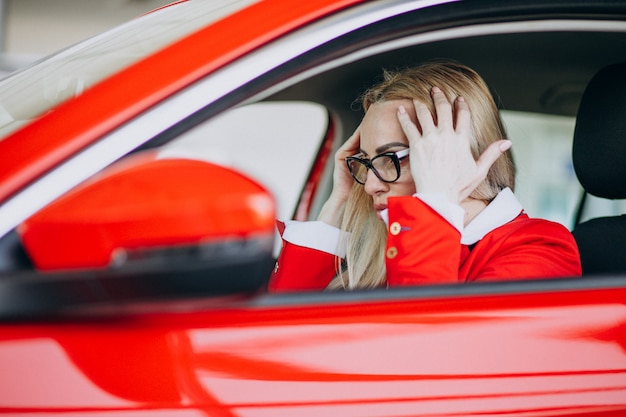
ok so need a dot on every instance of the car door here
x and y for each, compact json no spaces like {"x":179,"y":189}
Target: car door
{"x":547,"y":347}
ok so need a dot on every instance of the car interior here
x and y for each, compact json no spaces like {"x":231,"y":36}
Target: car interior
{"x":598,"y":153}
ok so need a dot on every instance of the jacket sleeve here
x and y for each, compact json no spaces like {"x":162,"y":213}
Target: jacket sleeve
{"x":422,"y":247}
{"x":301,"y":268}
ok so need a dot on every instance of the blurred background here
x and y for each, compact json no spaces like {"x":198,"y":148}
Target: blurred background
{"x":32,"y":29}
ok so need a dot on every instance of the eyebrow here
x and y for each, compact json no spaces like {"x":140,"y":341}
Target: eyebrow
{"x":384,"y":148}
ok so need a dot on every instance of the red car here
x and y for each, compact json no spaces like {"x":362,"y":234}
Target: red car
{"x":143,"y":170}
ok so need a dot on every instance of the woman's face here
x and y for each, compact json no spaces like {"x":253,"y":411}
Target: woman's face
{"x":381,"y":132}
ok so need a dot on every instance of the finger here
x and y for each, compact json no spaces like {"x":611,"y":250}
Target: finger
{"x":490,"y":156}
{"x":424,"y":117}
{"x":408,"y":127}
{"x":463,"y":116}
{"x":485,"y":161}
{"x":443,"y":109}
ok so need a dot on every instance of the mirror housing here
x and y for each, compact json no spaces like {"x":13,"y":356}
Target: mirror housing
{"x":143,"y":206}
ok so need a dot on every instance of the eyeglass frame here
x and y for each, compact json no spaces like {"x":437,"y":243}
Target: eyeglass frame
{"x":396,"y":157}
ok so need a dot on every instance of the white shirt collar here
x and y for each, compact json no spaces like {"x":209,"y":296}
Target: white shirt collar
{"x":502,"y":209}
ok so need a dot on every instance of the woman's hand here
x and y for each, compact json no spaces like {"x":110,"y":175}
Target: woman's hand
{"x":332,"y":211}
{"x":440,"y":155}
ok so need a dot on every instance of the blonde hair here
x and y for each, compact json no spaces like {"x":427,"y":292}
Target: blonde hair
{"x":364,"y":266}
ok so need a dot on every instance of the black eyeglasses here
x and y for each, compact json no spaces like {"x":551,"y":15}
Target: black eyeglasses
{"x":385,"y":166}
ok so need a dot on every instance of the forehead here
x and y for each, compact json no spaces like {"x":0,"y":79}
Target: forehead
{"x":380,"y":125}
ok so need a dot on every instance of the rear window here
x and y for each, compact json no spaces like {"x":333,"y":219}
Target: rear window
{"x":275,"y":142}
{"x":546,"y":182}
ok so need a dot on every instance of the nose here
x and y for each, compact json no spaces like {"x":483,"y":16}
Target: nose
{"x":373,"y":185}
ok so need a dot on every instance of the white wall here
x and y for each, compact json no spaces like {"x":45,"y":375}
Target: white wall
{"x":35,"y":28}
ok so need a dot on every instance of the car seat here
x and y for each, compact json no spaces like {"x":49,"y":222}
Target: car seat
{"x":599,"y":156}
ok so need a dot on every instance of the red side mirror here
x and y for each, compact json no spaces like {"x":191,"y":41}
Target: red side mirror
{"x":143,"y":205}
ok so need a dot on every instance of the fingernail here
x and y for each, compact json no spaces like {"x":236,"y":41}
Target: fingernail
{"x":506,"y":145}
{"x":401,"y":109}
{"x":460,"y":99}
{"x":436,"y":90}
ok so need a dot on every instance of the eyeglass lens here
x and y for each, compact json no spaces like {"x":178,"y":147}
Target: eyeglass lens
{"x":383,"y":166}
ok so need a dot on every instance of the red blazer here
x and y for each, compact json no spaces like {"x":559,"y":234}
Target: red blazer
{"x":424,"y":248}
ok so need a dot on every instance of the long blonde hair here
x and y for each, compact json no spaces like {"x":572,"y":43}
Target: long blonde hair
{"x":364,"y":266}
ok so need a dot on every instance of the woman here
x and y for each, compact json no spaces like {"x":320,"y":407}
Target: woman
{"x":422,"y":194}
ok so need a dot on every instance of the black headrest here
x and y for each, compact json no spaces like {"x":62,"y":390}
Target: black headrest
{"x":599,"y":150}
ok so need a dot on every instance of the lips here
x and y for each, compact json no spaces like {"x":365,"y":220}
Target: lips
{"x":379,"y":210}
{"x":382,"y":213}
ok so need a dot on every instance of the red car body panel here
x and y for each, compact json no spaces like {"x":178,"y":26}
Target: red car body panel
{"x":498,"y":355}
{"x":30,"y":152}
